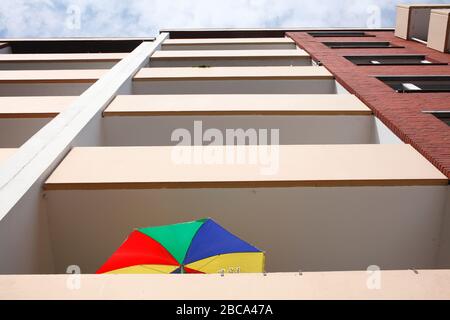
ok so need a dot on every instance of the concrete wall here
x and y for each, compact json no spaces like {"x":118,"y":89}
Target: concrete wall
{"x":224,"y":62}
{"x":14,"y":132}
{"x":234,"y":86}
{"x":157,"y":130}
{"x":56,"y":65}
{"x":25,"y":245}
{"x":241,"y":46}
{"x":419,"y":22}
{"x":444,"y":248}
{"x":43,"y":89}
{"x":382,"y":134}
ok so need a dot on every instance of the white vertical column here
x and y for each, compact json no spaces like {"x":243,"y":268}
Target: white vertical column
{"x":37,"y":157}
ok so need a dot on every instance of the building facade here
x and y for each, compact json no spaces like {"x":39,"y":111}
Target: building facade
{"x":329,"y":149}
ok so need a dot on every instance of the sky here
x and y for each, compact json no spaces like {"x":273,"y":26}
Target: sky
{"x":144,"y":18}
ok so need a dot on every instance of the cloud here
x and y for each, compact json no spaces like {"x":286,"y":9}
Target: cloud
{"x":64,"y":18}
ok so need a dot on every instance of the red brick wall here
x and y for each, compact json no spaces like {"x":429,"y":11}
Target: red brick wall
{"x":401,"y":112}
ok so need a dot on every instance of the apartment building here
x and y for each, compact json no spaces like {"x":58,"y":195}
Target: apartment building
{"x":349,"y":129}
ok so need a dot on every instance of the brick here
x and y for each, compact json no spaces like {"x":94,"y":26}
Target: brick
{"x":402,"y":113}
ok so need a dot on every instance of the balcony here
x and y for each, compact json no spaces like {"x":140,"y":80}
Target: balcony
{"x":47,"y":82}
{"x":413,"y":21}
{"x":315,"y":213}
{"x":229,"y":44}
{"x":301,"y":119}
{"x":230,"y":58}
{"x":67,"y":61}
{"x":238,"y":80}
{"x":22,"y":117}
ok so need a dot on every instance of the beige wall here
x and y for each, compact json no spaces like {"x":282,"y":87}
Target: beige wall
{"x":405,"y":284}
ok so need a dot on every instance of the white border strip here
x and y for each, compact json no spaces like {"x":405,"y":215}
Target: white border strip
{"x":20,"y":171}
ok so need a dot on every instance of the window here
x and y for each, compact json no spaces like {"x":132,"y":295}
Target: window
{"x":444,"y":116}
{"x":418,"y":84}
{"x":339,"y":34}
{"x":392,"y":60}
{"x":337,"y":45}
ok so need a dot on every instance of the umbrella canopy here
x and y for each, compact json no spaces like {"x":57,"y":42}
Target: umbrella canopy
{"x":200,"y":246}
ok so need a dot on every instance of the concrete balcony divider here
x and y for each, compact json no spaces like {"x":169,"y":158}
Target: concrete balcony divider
{"x":439,"y":30}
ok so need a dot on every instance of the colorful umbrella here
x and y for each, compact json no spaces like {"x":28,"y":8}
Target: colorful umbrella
{"x":200,"y":246}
